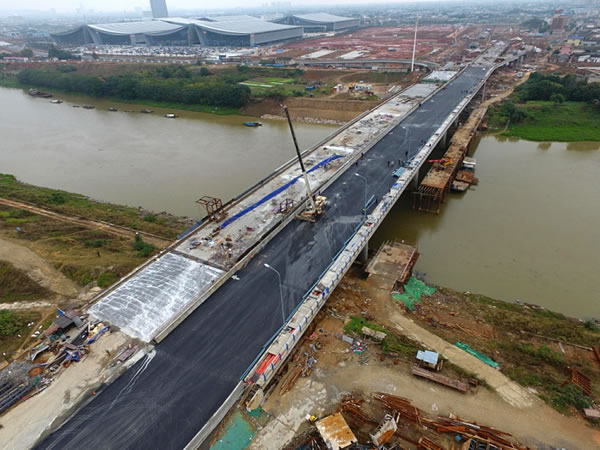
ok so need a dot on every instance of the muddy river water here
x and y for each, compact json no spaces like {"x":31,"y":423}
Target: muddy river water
{"x":529,"y":231}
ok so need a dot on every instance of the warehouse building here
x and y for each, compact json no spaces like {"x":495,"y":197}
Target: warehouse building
{"x":319,"y":22}
{"x":225,"y":31}
{"x":153,"y":32}
{"x":237,"y":31}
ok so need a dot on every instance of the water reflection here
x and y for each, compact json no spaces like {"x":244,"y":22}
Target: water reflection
{"x":583,"y":146}
{"x":141,"y":159}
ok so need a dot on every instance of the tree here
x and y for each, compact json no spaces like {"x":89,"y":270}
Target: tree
{"x":26,"y":52}
{"x":54,"y":52}
{"x":557,"y":99}
{"x":242,"y":69}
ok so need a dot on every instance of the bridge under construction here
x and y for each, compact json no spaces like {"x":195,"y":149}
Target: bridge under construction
{"x":213,"y":308}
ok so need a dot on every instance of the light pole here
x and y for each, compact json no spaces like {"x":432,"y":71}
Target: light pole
{"x":280,"y":290}
{"x":366,"y":183}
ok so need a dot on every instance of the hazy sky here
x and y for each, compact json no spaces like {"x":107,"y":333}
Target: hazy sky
{"x":120,"y":5}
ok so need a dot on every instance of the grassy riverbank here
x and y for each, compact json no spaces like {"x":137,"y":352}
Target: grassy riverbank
{"x":549,"y":107}
{"x":163,"y":225}
{"x":534,"y":346}
{"x":546,"y":121}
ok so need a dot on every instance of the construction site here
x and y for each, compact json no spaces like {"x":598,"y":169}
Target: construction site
{"x":434,"y":43}
{"x":354,"y":349}
{"x":391,"y":364}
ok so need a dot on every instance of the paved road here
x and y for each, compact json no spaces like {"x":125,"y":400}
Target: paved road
{"x":166,"y":398}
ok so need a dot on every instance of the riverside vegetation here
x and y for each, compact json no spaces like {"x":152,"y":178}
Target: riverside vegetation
{"x":195,"y":88}
{"x":550,"y":108}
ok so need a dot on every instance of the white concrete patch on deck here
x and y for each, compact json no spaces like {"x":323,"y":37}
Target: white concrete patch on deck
{"x":148,"y":301}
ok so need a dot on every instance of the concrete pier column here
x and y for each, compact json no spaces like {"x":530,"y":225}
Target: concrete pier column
{"x":363,"y":257}
{"x":415,"y":181}
{"x":444,"y":139}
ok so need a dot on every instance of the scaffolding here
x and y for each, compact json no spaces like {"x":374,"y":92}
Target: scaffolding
{"x":214,"y":207}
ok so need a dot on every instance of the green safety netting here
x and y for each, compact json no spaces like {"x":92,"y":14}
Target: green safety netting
{"x":486,"y":359}
{"x":412,"y":292}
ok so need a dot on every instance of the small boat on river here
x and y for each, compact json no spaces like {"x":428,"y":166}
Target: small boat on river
{"x":252,"y":124}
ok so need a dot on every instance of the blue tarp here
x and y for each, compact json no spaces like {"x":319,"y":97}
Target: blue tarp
{"x":100,"y":333}
{"x":190,"y":229}
{"x":277,"y":191}
{"x":399,"y":172}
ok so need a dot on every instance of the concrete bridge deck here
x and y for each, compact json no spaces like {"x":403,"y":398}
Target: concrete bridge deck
{"x":173,"y":392}
{"x":151,"y":302}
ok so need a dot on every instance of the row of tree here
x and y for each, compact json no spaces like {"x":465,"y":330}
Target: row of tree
{"x":172,"y":85}
{"x":557,"y":89}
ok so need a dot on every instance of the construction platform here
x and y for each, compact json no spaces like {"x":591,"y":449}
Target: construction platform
{"x":394,"y":261}
{"x":441,"y":177}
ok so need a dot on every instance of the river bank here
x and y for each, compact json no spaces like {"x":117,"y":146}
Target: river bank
{"x":123,"y":104}
{"x":59,"y":249}
{"x":549,"y":122}
{"x":549,"y":107}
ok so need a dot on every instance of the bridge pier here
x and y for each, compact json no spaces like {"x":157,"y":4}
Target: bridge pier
{"x":444,"y":139}
{"x":363,"y":257}
{"x":415,"y":181}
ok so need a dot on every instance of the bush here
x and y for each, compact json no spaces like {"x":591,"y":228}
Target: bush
{"x":544,"y":353}
{"x":57,"y":198}
{"x":105,"y":279}
{"x":143,"y":248}
{"x":66,"y":68}
{"x":569,"y":395}
{"x":150,"y":218}
{"x":10,"y":323}
{"x":94,"y":243}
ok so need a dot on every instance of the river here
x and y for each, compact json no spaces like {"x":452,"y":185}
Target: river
{"x":529,"y":231}
{"x":141,"y":159}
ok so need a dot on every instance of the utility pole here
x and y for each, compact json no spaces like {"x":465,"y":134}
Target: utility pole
{"x":412,"y":64}
{"x":310,"y":194}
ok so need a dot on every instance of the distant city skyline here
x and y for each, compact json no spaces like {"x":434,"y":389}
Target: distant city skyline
{"x":73,"y":6}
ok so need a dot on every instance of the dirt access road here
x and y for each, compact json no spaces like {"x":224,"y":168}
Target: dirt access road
{"x":521,"y":413}
{"x":37,"y":268}
{"x":88,"y":223}
{"x":511,"y":408}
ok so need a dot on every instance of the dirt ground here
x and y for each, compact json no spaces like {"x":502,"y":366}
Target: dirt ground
{"x":504,"y":405}
{"x":380,"y":42}
{"x":24,"y":424}
{"x":37,"y":268}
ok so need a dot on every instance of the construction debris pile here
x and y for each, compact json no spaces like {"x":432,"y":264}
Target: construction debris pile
{"x":393,"y":422}
{"x":66,"y":341}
